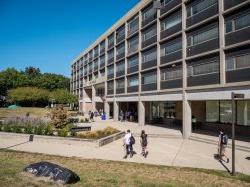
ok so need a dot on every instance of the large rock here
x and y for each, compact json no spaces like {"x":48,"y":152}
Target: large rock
{"x":52,"y":171}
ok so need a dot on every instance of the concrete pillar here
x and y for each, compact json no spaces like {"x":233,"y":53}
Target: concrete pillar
{"x":186,"y":118}
{"x":116,"y":111}
{"x":222,"y":43}
{"x":106,"y":109}
{"x":141,"y":113}
{"x":93,"y":98}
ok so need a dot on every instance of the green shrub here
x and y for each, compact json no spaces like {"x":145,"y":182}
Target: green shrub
{"x":39,"y":130}
{"x":16,"y":129}
{"x":86,"y":120}
{"x":7,"y":128}
{"x":29,"y":129}
{"x":63,"y":132}
{"x":97,"y":134}
{"x":48,"y":130}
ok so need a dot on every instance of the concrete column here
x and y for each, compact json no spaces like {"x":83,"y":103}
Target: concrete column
{"x":116,"y":111}
{"x":93,"y":98}
{"x":141,"y":113}
{"x":222,"y":43}
{"x":139,"y":49}
{"x":106,"y":109}
{"x":186,"y":117}
{"x":158,"y":51}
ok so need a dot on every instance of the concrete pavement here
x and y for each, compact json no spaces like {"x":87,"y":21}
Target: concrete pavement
{"x":170,"y":151}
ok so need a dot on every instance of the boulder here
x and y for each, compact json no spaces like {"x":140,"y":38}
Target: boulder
{"x":53,"y":172}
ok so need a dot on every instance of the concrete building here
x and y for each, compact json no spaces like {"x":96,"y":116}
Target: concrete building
{"x":170,"y":64}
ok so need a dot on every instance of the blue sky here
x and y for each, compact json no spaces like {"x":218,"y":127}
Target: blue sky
{"x":49,"y":34}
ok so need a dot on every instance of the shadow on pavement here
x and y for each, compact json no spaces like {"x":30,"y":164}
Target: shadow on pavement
{"x":216,"y":157}
{"x":248,"y":158}
{"x":14,"y":145}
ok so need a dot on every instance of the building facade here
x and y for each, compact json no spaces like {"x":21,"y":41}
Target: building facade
{"x":170,"y":65}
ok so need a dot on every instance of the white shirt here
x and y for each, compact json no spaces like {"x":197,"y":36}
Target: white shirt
{"x":127,"y":138}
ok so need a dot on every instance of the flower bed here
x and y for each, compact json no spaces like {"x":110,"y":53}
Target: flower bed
{"x":97,"y":134}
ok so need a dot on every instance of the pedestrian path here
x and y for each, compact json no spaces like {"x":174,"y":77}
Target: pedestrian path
{"x":162,"y":151}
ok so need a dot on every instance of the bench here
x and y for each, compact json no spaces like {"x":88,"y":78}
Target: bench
{"x":73,"y":130}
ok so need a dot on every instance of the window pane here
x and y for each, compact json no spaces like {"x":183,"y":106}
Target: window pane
{"x":242,"y":22}
{"x":148,"y":13}
{"x":171,"y":21}
{"x":229,"y":26}
{"x":147,"y":79}
{"x":149,"y":34}
{"x":212,"y":111}
{"x":225,"y":112}
{"x":205,"y":68}
{"x":171,"y":48}
{"x":242,"y":61}
{"x":149,"y":56}
{"x":133,"y":81}
{"x":230,"y":63}
{"x":132,"y":62}
{"x":120,"y":67}
{"x":120,"y":84}
{"x":201,"y":6}
{"x":205,"y":35}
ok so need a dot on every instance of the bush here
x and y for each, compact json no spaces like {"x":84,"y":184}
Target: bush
{"x":48,"y":130}
{"x":59,"y":117}
{"x":63,"y":132}
{"x":39,"y":130}
{"x":97,"y":134}
{"x":17,"y":129}
{"x":28,"y":129}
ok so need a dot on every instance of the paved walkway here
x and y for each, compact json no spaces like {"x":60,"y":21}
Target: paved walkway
{"x":171,"y":151}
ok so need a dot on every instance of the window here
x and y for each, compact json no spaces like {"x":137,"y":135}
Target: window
{"x":132,"y":62}
{"x":120,"y":84}
{"x":165,"y":2}
{"x":120,"y":50}
{"x":149,"y":33}
{"x":212,"y":111}
{"x":102,"y":60}
{"x":238,"y":62}
{"x":110,"y":70}
{"x":96,"y":63}
{"x":200,"y":6}
{"x":102,"y":73}
{"x":120,"y":67}
{"x":133,"y":43}
{"x":237,"y":23}
{"x":171,"y":48}
{"x":171,"y":21}
{"x":203,"y":36}
{"x":149,"y":78}
{"x":204,"y":68}
{"x":110,"y":85}
{"x":171,"y":74}
{"x":149,"y":12}
{"x":120,"y":32}
{"x":96,"y":51}
{"x":110,"y":54}
{"x":111,"y":39}
{"x":149,"y":55}
{"x":102,"y":45}
{"x":133,"y":25}
{"x":133,"y":81}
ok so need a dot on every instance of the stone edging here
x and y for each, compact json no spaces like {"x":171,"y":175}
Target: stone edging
{"x":109,"y":139}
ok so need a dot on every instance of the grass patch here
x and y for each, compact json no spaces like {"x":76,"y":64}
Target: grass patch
{"x":111,"y":173}
{"x":22,"y":111}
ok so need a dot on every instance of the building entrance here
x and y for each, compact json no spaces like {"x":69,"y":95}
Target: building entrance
{"x":130,"y":110}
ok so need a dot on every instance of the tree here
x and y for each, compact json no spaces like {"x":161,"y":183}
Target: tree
{"x":62,"y":96}
{"x":32,"y":72}
{"x":11,"y":78}
{"x":59,"y":117}
{"x":52,"y":81}
{"x":28,"y":96}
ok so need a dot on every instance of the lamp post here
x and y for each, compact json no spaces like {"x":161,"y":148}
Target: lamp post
{"x":234,"y":97}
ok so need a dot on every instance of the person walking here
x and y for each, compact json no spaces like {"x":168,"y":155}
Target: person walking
{"x":126,"y":143}
{"x":144,"y":143}
{"x":92,"y":116}
{"x":121,"y":115}
{"x":222,"y":144}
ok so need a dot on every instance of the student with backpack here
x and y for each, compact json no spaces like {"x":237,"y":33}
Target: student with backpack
{"x":128,"y":142}
{"x":144,"y":143}
{"x":222,"y":144}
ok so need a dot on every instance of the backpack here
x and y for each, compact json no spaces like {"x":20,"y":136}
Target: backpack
{"x":224,"y":139}
{"x":132,"y":140}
